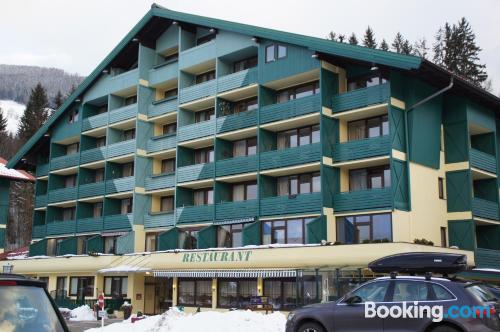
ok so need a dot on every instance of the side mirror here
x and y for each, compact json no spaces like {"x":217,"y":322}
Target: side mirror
{"x":353,"y":299}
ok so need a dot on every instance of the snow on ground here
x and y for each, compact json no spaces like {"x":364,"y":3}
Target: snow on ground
{"x":83,"y":312}
{"x":13,"y":112}
{"x":207,"y":321}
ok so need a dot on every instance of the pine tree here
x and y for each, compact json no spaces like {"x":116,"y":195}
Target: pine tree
{"x":397,"y":44}
{"x":35,"y":115}
{"x":353,"y":40}
{"x":384,"y":46}
{"x":369,"y":38}
{"x":3,"y":124}
{"x":406,"y":48}
{"x":341,"y":39}
{"x":420,"y":48}
{"x":58,"y":100}
{"x":332,"y":36}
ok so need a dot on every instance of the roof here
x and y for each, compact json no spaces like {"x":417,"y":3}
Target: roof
{"x":12,"y":174}
{"x":341,"y":50}
{"x":16,"y":253}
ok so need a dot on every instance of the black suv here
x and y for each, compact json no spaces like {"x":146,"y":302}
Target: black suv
{"x":25,"y":306}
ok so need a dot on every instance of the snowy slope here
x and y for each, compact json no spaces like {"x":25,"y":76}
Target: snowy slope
{"x":13,"y":112}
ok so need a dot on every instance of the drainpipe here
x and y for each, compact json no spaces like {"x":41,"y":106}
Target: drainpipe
{"x":434,"y":95}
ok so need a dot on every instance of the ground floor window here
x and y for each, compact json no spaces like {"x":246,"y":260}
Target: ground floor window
{"x":81,"y":286}
{"x":194,"y":293}
{"x":61,"y":287}
{"x":364,"y":228}
{"x":236,"y":293}
{"x":115,"y":287}
{"x":288,"y":293}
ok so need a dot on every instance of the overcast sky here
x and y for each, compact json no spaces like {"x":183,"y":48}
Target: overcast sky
{"x":77,"y":35}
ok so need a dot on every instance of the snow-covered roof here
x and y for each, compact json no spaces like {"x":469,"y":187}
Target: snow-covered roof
{"x":124,"y":269}
{"x":13,"y":174}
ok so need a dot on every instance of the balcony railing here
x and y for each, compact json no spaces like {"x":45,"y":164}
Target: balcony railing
{"x":487,"y":258}
{"x":290,"y":109}
{"x":89,"y":225}
{"x":159,"y":219}
{"x":236,"y":121}
{"x":484,"y":209}
{"x":91,"y":189}
{"x":237,"y":80}
{"x":66,"y":161}
{"x":60,"y":227}
{"x":197,"y":55}
{"x":123,"y":81}
{"x":118,"y":222}
{"x":196,"y":130}
{"x":160,"y":181}
{"x":121,"y":148}
{"x":123,"y":113}
{"x":95,"y":121}
{"x":40,"y":201}
{"x":195,"y":172}
{"x":96,"y":154}
{"x":120,"y":185}
{"x":288,"y":205}
{"x":363,"y":200}
{"x":234,"y":210}
{"x":483,"y":161}
{"x":162,"y":107}
{"x":42,"y":170}
{"x":189,"y":214}
{"x":363,"y":148}
{"x":198,"y":91}
{"x":38,"y":231}
{"x":361,"y":98}
{"x":291,"y":156}
{"x":61,"y":195}
{"x":163,"y":72}
{"x":237,"y":165}
{"x":161,"y":143}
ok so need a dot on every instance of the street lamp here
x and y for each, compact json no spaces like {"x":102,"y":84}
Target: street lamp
{"x":8,"y":268}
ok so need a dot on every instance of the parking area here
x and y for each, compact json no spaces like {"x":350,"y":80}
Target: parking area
{"x":81,"y":326}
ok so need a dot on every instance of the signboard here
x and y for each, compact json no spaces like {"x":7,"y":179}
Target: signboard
{"x":217,"y":256}
{"x":102,"y":314}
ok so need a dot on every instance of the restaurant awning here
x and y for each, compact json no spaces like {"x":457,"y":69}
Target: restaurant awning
{"x":269,"y":273}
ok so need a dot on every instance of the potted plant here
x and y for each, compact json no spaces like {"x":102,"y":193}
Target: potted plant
{"x":127,"y":310}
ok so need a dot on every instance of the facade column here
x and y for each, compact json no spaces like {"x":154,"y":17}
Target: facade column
{"x":4,"y":211}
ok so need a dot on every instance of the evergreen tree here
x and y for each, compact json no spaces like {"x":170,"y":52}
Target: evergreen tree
{"x":341,"y":39}
{"x":397,"y":44}
{"x":333,"y":36}
{"x":369,"y":38}
{"x":3,"y":124}
{"x":353,"y":40}
{"x":58,"y":100}
{"x":406,"y":48}
{"x":420,"y":48}
{"x":384,"y":46}
{"x":35,"y":115}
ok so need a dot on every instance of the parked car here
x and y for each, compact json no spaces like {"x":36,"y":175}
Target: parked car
{"x":27,"y":307}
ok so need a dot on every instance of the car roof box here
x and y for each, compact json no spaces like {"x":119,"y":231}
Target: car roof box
{"x":420,"y":262}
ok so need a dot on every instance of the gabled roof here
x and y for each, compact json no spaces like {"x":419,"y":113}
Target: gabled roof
{"x":340,"y":50}
{"x":13,"y":174}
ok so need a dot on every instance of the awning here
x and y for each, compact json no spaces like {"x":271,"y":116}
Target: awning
{"x":233,"y":221}
{"x":271,"y":273}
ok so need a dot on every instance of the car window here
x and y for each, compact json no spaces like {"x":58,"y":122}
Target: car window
{"x":372,"y":292}
{"x":441,"y":293}
{"x":410,"y":291}
{"x":481,"y":293}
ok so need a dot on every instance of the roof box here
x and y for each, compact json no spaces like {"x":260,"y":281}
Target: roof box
{"x":420,"y":262}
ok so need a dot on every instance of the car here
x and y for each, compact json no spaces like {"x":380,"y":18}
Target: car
{"x":27,"y":307}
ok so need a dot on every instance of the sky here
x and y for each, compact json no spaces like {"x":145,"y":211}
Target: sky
{"x":76,"y":35}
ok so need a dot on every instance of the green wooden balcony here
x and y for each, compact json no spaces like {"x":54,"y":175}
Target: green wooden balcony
{"x":487,"y":258}
{"x":160,"y":181}
{"x":40,"y":201}
{"x":360,"y":98}
{"x":95,"y":121}
{"x":118,"y":222}
{"x":96,"y":154}
{"x":237,"y":210}
{"x":196,"y":130}
{"x":484,"y":209}
{"x":363,"y":148}
{"x":195,"y":172}
{"x":91,"y":189}
{"x":161,"y":143}
{"x":63,"y":194}
{"x":121,"y":148}
{"x":198,"y":91}
{"x":288,"y":205}
{"x":42,"y":170}
{"x":292,"y":156}
{"x":237,"y":80}
{"x":483,"y":161}
{"x":123,"y":113}
{"x":236,"y":121}
{"x":60,"y":227}
{"x":192,"y":214}
{"x":363,"y":200}
{"x":38,"y":231}
{"x":89,"y":225}
{"x":197,"y":55}
{"x":66,"y":161}
{"x":120,"y":185}
{"x":123,"y":81}
{"x":159,"y":219}
{"x":290,"y":109}
{"x":161,"y":107}
{"x":164,"y":72}
{"x":237,"y":165}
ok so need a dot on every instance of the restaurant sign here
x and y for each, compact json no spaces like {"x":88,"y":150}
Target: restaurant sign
{"x":217,"y":256}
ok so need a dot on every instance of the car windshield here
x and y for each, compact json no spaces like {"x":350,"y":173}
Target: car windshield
{"x":27,"y":309}
{"x":481,"y":293}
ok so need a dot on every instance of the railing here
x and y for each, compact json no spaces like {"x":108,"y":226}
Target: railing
{"x":483,"y":161}
{"x":40,"y":200}
{"x":121,"y":148}
{"x":59,"y":227}
{"x":161,"y":143}
{"x":161,"y":107}
{"x":118,"y":221}
{"x":233,"y":210}
{"x":197,"y":55}
{"x":363,"y":148}
{"x":95,"y":121}
{"x":237,"y":80}
{"x":288,"y":205}
{"x":198,"y":91}
{"x":363,"y":200}
{"x":290,"y":109}
{"x":190,"y":214}
{"x":69,"y":160}
{"x":237,"y":165}
{"x":484,"y":209}
{"x":163,"y":73}
{"x":291,"y":156}
{"x":61,"y":195}
{"x":123,"y":113}
{"x":124,"y":81}
{"x":195,"y":172}
{"x":89,"y":225}
{"x":160,"y":181}
{"x":92,"y":155}
{"x":361,"y":98}
{"x":120,"y":185}
{"x":38,"y":231}
{"x":159,"y":219}
{"x":91,"y":189}
{"x":236,"y":121}
{"x":196,"y":130}
{"x":487,"y":258}
{"x":42,"y":170}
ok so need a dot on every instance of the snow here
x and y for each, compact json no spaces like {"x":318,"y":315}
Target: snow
{"x":12,"y":173}
{"x":206,"y":321}
{"x":13,"y":112}
{"x":123,"y":269}
{"x":83,"y":312}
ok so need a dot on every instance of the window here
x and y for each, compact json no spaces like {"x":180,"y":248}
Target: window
{"x":205,"y":39}
{"x":172,"y":93}
{"x":171,"y":58}
{"x":126,"y":205}
{"x":73,"y":116}
{"x":281,"y":293}
{"x":297,"y":92}
{"x":285,"y":231}
{"x":72,"y":148}
{"x":195,"y":293}
{"x":441,"y":294}
{"x":131,"y":100}
{"x":44,"y":280}
{"x":364,"y":228}
{"x":167,"y":204}
{"x":169,"y":128}
{"x":443,"y":237}
{"x":298,"y":137}
{"x":81,"y":286}
{"x":244,"y":191}
{"x":205,"y":115}
{"x":61,"y":287}
{"x":235,"y":293}
{"x":372,"y":292}
{"x":275,"y":51}
{"x":205,"y":77}
{"x":245,"y":147}
{"x":151,"y":242}
{"x":366,"y":81}
{"x":128,"y":134}
{"x":70,"y":181}
{"x":441,"y":188}
{"x":110,"y":244}
{"x":230,"y":236}
{"x":188,"y":238}
{"x":97,"y":210}
{"x":245,"y":64}
{"x":409,"y":291}
{"x":203,"y":156}
{"x":168,"y":165}
{"x":203,"y":196}
{"x":245,"y":105}
{"x":299,"y":184}
{"x":367,"y":128}
{"x":127,"y":169}
{"x":68,"y":213}
{"x":100,"y":142}
{"x":99,"y":175}
{"x":369,"y":178}
{"x":116,"y":287}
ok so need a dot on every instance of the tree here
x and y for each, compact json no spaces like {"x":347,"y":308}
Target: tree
{"x":3,"y":124}
{"x":369,"y":38}
{"x":384,"y":46}
{"x":333,"y":36}
{"x":353,"y":40}
{"x":397,"y":44}
{"x":58,"y":100}
{"x":35,"y":115}
{"x":420,"y":48}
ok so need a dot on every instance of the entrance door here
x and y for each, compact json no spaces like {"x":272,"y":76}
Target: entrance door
{"x":149,"y":299}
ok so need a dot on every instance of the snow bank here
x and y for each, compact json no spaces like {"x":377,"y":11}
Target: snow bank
{"x":82,"y":313}
{"x":207,"y":321}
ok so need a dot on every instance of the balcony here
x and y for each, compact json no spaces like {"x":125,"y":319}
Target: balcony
{"x":198,"y":91}
{"x":363,"y":148}
{"x":66,"y":161}
{"x":159,"y":219}
{"x":60,"y":227}
{"x":38,"y":231}
{"x":237,"y":80}
{"x":192,"y":214}
{"x":120,"y":185}
{"x":484,"y":209}
{"x":195,"y":172}
{"x":237,"y":210}
{"x":236,"y":121}
{"x":95,"y":121}
{"x":123,"y":113}
{"x":292,"y":156}
{"x":121,"y":148}
{"x":163,"y":72}
{"x":197,"y":55}
{"x":360,"y":98}
{"x":89,"y":225}
{"x":360,"y":200}
{"x":290,"y":109}
{"x":161,"y":143}
{"x":196,"y":130}
{"x":237,"y":165}
{"x":42,"y":170}
{"x":288,"y":205}
{"x":61,"y":195}
{"x":483,"y":161}
{"x":161,"y":107}
{"x":487,"y":258}
{"x":40,"y":201}
{"x":118,"y":222}
{"x":91,"y":189}
{"x":123,"y":81}
{"x":89,"y":156}
{"x":160,"y":181}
